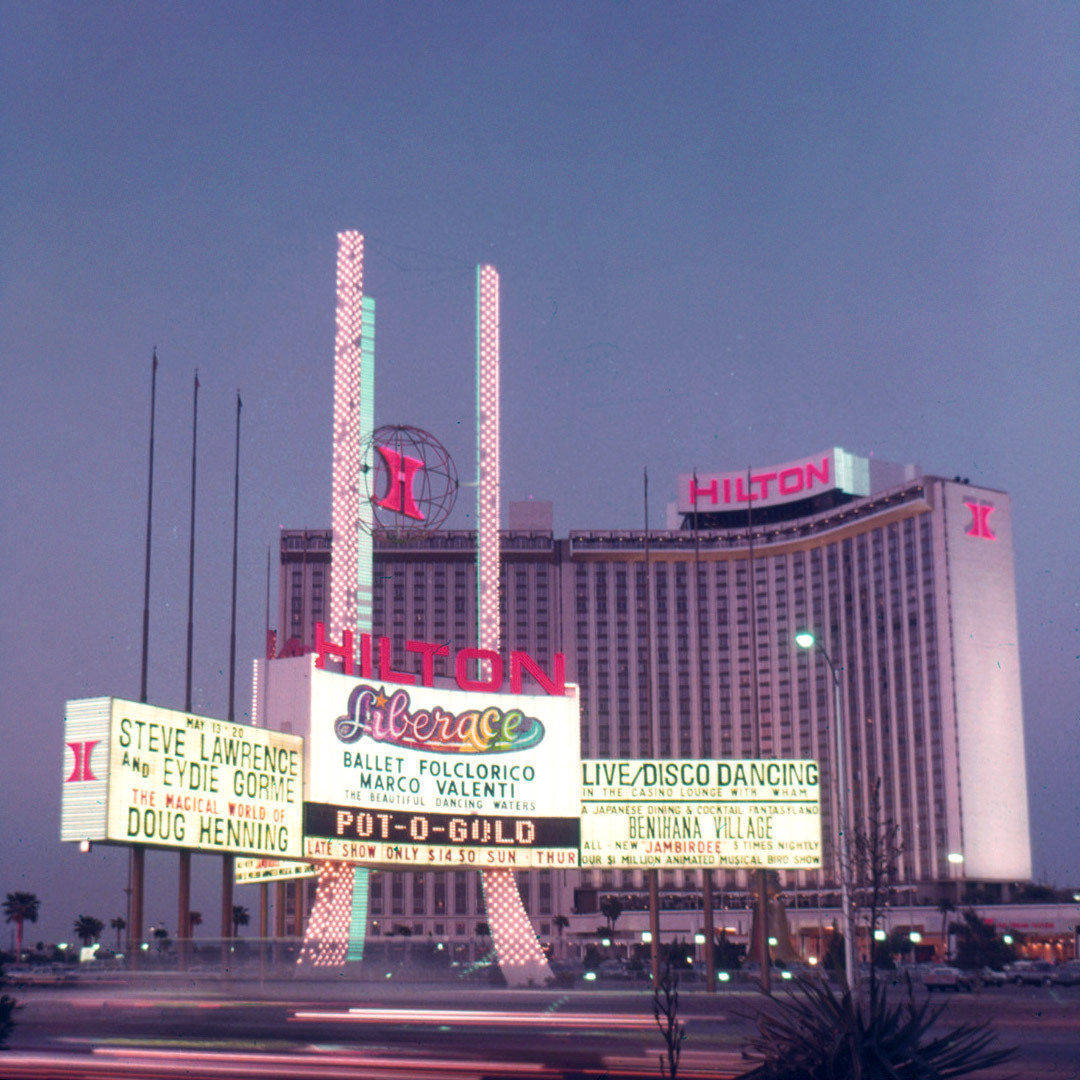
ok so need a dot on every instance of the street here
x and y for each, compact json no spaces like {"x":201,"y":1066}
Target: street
{"x":323,"y":1029}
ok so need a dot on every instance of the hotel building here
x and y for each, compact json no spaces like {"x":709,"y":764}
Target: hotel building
{"x":682,"y":641}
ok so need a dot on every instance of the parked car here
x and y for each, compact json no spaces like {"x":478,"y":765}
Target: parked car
{"x":1067,"y":974}
{"x":944,"y":977}
{"x":989,"y":977}
{"x":615,"y":969}
{"x":1031,"y":972}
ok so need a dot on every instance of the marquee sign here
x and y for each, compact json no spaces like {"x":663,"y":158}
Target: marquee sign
{"x":140,"y":774}
{"x":431,"y":776}
{"x":704,"y":814}
{"x":775,"y":484}
{"x":259,"y":871}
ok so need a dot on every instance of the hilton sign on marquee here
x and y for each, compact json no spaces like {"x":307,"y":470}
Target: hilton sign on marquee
{"x":139,"y":774}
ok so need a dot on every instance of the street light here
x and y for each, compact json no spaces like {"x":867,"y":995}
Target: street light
{"x":805,"y":639}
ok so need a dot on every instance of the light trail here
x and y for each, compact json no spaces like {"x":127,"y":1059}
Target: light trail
{"x":480,"y":1018}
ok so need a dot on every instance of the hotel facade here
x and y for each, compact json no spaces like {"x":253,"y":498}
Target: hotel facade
{"x":682,"y":641}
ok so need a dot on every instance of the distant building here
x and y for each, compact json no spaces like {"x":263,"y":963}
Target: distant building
{"x":906,"y":579}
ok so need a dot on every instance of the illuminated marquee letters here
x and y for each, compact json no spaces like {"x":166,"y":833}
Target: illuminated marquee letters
{"x":980,"y":525}
{"x":521,"y":664}
{"x":788,"y":481}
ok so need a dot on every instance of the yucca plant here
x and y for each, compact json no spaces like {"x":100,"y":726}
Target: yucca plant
{"x":818,"y":1033}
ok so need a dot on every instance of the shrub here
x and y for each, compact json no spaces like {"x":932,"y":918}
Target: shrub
{"x":820,"y":1033}
{"x":8,"y":1005}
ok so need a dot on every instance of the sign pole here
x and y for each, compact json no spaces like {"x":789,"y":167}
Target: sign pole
{"x":706,"y":874}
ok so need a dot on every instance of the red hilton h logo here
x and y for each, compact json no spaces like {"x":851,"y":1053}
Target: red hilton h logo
{"x":980,"y":525}
{"x":402,"y":471}
{"x":82,"y":752}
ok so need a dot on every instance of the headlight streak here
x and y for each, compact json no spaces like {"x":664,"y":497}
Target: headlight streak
{"x":478,"y":1017}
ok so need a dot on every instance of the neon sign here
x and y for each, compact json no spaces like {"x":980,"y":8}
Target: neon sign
{"x":401,"y":472}
{"x":789,"y":482}
{"x":521,"y":664}
{"x":490,"y":730}
{"x":980,"y":525}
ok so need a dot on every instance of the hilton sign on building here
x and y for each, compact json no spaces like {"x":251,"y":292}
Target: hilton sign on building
{"x":905,"y":578}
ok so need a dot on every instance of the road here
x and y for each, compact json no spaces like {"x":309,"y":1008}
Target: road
{"x":206,"y":1030}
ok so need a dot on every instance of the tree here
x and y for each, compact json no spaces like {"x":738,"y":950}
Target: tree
{"x":900,"y":943}
{"x":727,"y":956}
{"x":946,"y":907}
{"x":194,"y":919}
{"x":560,"y":922}
{"x":20,"y":907}
{"x":611,"y":908}
{"x":119,"y":924}
{"x":88,"y":929}
{"x":666,"y":1015}
{"x":240,"y":917}
{"x":978,"y":944}
{"x":877,"y":849}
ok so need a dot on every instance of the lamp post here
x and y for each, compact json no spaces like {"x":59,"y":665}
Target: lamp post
{"x":806,"y":640}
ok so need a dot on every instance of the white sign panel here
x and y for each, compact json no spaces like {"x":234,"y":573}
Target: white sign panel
{"x":254,"y":871}
{"x":774,"y":484}
{"x":440,"y":777}
{"x":177,"y":780}
{"x":709,"y":814}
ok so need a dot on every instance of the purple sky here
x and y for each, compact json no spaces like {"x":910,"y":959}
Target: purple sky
{"x":727,"y":233}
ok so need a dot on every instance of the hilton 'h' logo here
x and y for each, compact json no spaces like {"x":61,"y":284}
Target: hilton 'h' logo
{"x":402,"y":470}
{"x":82,"y":752}
{"x":980,"y":524}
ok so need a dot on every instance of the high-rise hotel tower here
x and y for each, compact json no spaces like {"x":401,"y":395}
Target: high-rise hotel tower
{"x":906,"y":581}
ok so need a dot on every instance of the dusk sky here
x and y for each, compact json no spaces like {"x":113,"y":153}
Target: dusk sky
{"x":727,"y":233}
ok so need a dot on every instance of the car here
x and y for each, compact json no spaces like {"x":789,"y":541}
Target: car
{"x":987,"y":976}
{"x":1067,"y":974}
{"x":1031,"y":972}
{"x":26,"y":975}
{"x":945,"y":977}
{"x":615,"y":969}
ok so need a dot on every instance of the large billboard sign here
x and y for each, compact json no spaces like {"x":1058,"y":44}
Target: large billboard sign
{"x":431,"y":776}
{"x":139,"y":774}
{"x":703,"y":814}
{"x":774,"y":484}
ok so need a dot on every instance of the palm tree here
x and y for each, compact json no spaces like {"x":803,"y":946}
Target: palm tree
{"x":483,"y":931}
{"x":240,"y":917}
{"x":20,"y":907}
{"x":88,"y":929}
{"x":119,"y":924}
{"x":611,"y":908}
{"x":946,"y":907}
{"x":194,"y":919}
{"x":560,"y":922}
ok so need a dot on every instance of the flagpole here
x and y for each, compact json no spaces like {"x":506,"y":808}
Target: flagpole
{"x":228,"y":861}
{"x":149,"y":520}
{"x":236,"y":520}
{"x":183,"y":915}
{"x":706,"y":873}
{"x":191,"y":547}
{"x":137,"y":853}
{"x":652,"y":877}
{"x":762,"y":885}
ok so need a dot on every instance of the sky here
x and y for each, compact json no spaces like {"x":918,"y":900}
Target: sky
{"x":727,"y":233}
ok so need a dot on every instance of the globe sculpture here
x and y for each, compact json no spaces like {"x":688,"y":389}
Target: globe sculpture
{"x":410,"y":481}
